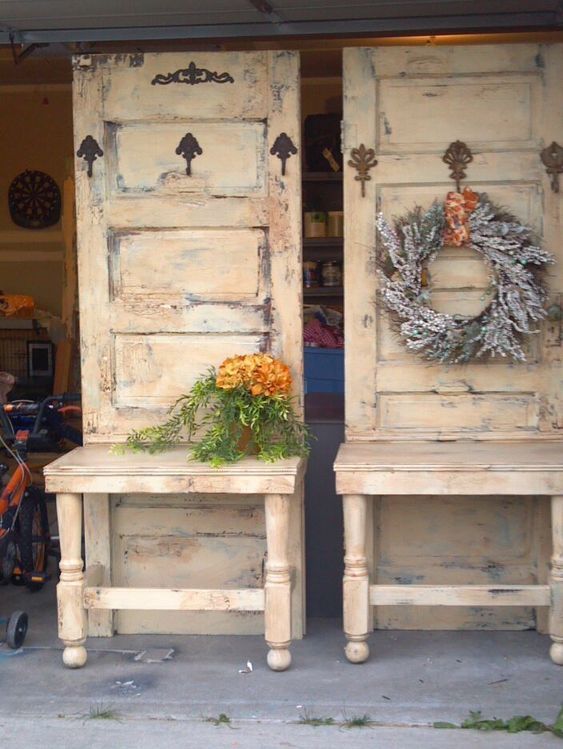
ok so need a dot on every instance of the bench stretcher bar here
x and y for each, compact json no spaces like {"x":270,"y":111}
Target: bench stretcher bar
{"x":182,"y":599}
{"x":459,"y":595}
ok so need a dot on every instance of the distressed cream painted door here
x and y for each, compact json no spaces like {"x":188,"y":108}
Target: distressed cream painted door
{"x":180,"y":265}
{"x":178,"y":271}
{"x":409,"y":104}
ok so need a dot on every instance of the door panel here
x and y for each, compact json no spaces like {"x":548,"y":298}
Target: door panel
{"x":131,"y":85}
{"x":232,"y":162}
{"x":209,"y":264}
{"x":492,"y":109}
{"x":151,"y":369}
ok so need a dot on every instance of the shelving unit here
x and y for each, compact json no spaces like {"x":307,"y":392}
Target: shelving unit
{"x":324,"y":291}
{"x":323,"y":248}
{"x":322,"y":177}
{"x":323,"y":191}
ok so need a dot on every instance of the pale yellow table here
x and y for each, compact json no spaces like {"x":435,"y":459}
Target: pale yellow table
{"x":94,"y":470}
{"x":365,"y":470}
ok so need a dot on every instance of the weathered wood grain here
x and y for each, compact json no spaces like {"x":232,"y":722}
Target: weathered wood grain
{"x":156,"y":599}
{"x":97,"y":544}
{"x":459,"y":595}
{"x":178,"y":272}
{"x":184,"y":540}
{"x":410,"y":104}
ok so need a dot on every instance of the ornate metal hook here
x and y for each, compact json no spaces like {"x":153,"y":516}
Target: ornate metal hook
{"x":89,"y":151}
{"x":192,"y":75}
{"x":283,"y":148}
{"x":552,"y":159}
{"x":457,"y":156}
{"x":189,"y":148}
{"x":363,"y":159}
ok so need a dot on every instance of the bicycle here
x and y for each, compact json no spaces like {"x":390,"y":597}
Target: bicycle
{"x":30,"y":426}
{"x":24,"y":524}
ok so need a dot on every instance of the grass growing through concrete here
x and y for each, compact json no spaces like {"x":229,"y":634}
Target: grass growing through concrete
{"x":358,"y":721}
{"x":516,"y":724}
{"x":306,"y":719}
{"x":102,"y":712}
{"x":221,"y":720}
{"x":355,"y":721}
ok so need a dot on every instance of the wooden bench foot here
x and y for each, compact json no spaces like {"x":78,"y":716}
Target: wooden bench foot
{"x":75,"y":656}
{"x":357,"y":651}
{"x":279,"y":659}
{"x":556,"y":653}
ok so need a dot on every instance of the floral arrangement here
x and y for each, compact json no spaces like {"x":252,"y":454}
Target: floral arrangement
{"x":509,"y":249}
{"x":244,"y":408}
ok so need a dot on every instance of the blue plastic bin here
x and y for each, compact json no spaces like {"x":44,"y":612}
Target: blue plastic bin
{"x":324,"y":370}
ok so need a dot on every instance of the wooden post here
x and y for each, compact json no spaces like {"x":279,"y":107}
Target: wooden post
{"x":556,"y":582}
{"x":97,"y":543}
{"x":356,"y":578}
{"x":70,"y":590}
{"x":278,"y":582}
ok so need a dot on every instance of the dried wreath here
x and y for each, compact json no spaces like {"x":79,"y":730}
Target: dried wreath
{"x":508,"y":248}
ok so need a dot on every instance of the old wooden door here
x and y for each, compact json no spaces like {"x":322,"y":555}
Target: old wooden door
{"x":409,"y":104}
{"x":189,"y":251}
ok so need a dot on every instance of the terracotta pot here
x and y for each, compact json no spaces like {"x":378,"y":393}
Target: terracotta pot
{"x":245,"y":443}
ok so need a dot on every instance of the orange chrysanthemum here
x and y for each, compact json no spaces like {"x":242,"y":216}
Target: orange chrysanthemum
{"x":260,"y":374}
{"x":271,"y":377}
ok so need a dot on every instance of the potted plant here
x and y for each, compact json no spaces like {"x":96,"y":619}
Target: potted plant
{"x":244,"y":408}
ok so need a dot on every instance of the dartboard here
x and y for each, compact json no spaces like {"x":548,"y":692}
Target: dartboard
{"x":34,"y":200}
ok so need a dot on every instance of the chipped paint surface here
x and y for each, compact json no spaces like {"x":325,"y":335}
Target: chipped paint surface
{"x":501,"y":101}
{"x":178,"y":272}
{"x":192,"y":543}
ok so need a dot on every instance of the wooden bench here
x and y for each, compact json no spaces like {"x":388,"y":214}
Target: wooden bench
{"x":94,"y":470}
{"x":396,"y":468}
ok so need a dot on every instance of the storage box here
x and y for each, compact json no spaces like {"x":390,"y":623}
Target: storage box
{"x":324,"y":370}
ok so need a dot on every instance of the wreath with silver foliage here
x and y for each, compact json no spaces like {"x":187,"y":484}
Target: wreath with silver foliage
{"x":515,"y":263}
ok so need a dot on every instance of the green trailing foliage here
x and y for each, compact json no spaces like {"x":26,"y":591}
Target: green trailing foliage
{"x":516,"y":724}
{"x":222,"y":417}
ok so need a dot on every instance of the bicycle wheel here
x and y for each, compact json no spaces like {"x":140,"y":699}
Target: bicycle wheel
{"x":16,"y":629}
{"x":34,"y":537}
{"x":8,"y":554}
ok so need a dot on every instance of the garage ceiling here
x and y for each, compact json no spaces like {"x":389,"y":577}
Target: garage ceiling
{"x":28,"y":21}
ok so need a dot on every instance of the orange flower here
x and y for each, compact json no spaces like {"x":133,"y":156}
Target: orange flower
{"x":260,"y":374}
{"x":470,"y":199}
{"x":457,"y":208}
{"x":231,"y":373}
{"x":271,"y":377}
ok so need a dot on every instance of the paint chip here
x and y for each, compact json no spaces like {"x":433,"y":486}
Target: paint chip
{"x":154,"y":655}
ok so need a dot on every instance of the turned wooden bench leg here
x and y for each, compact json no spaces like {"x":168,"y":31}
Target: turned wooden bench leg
{"x":356,"y":578}
{"x":278,"y":582}
{"x":556,"y":582}
{"x":70,"y":590}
